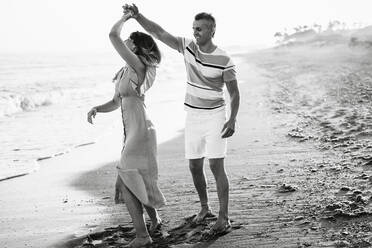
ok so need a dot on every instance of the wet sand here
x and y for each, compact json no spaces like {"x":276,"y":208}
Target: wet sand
{"x":299,"y":167}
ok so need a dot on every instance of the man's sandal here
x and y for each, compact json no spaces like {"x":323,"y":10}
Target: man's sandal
{"x":214,"y":233}
{"x":198,"y":221}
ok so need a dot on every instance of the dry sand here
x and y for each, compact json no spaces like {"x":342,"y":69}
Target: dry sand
{"x":299,"y":167}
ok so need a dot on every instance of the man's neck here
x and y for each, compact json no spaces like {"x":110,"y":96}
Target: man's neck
{"x":208,"y":47}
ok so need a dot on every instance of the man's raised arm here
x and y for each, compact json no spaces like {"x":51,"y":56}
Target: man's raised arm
{"x":153,"y":28}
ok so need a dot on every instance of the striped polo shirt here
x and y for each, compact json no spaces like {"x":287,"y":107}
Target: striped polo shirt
{"x":206,"y":75}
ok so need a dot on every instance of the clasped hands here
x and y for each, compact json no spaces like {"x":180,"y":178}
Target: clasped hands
{"x":130,"y":10}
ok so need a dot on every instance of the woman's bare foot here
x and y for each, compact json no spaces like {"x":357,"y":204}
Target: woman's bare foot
{"x":139,"y":242}
{"x":155,"y":225}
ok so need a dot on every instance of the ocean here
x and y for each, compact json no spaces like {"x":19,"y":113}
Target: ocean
{"x":45,"y":97}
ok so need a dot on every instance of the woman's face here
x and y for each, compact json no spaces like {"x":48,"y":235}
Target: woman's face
{"x":130,"y":44}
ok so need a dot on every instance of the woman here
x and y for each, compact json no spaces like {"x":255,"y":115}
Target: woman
{"x":137,"y":170}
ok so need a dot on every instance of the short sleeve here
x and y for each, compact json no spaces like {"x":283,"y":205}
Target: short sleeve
{"x":182,"y":44}
{"x":229,"y":73}
{"x":117,"y":92}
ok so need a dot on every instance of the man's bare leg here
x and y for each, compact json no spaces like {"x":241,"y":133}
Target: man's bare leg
{"x":222,"y":182}
{"x":197,"y":172}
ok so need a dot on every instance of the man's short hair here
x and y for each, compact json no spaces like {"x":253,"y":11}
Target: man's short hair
{"x":206,"y":16}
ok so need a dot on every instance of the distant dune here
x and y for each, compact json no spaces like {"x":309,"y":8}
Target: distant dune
{"x":363,"y":33}
{"x":353,"y":37}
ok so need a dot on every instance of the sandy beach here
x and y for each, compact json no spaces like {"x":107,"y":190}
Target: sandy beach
{"x":299,"y":167}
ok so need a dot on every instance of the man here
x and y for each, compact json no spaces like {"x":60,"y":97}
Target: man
{"x":208,"y":69}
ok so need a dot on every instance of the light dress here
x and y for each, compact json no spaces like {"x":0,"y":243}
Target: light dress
{"x":138,"y":166}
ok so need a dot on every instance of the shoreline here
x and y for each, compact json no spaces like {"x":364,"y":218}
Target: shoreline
{"x":166,"y":130}
{"x":41,"y":160}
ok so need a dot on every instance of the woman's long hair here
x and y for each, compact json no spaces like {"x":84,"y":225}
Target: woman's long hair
{"x":147,"y":49}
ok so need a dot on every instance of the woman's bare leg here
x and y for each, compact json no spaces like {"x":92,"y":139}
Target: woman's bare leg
{"x":135,"y":209}
{"x":154,"y":217}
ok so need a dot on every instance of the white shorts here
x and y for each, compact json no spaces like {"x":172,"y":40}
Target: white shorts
{"x":203,"y":135}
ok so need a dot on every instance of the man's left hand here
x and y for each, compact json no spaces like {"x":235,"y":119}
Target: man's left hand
{"x":228,"y":129}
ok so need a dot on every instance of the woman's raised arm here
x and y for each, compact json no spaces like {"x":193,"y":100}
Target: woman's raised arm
{"x":124,"y":51}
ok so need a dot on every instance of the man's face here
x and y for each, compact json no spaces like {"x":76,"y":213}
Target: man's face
{"x":203,"y":31}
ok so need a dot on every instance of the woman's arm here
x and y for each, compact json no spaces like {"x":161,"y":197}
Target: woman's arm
{"x":124,"y":51}
{"x":104,"y":108}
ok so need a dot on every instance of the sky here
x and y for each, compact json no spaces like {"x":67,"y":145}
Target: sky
{"x":83,"y":25}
